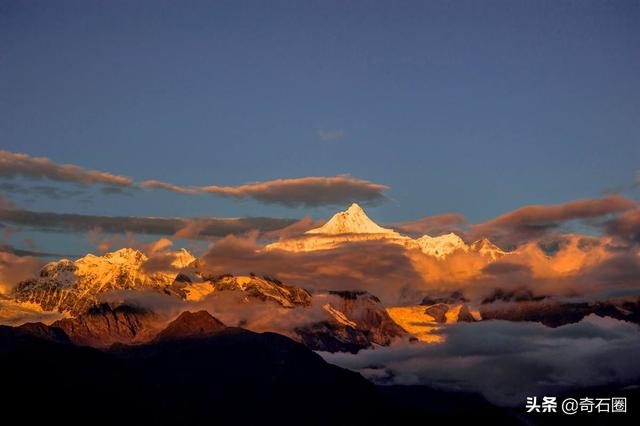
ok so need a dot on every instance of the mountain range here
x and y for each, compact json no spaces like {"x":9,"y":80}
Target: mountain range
{"x":326,"y":320}
{"x":74,"y":286}
{"x":348,"y":320}
{"x":159,"y":339}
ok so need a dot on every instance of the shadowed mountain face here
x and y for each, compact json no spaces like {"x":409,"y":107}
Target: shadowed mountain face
{"x":103,"y":325}
{"x":348,"y":321}
{"x":196,"y":371}
{"x":190,"y":325}
{"x":357,"y":321}
{"x":555,"y":313}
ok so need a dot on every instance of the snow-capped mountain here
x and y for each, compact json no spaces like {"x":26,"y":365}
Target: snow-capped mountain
{"x":353,"y":225}
{"x":354,"y":320}
{"x":352,"y":221}
{"x":442,"y":245}
{"x":327,"y":320}
{"x":486,"y":248}
{"x":103,"y":325}
{"x":74,"y":286}
{"x":252,"y":287}
{"x":349,"y":320}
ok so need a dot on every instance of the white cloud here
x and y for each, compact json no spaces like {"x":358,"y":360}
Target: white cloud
{"x":507,"y":361}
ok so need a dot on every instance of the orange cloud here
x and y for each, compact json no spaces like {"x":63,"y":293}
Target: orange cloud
{"x":156,"y":184}
{"x":625,"y":227}
{"x":192,"y":228}
{"x":432,"y":225}
{"x":109,"y":242}
{"x":17,"y":164}
{"x":578,"y":265}
{"x":14,"y":268}
{"x":293,"y":230}
{"x":305,"y":191}
{"x":382,"y":269}
{"x":532,"y":222}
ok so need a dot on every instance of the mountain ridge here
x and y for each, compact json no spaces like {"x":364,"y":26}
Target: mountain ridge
{"x":74,"y":286}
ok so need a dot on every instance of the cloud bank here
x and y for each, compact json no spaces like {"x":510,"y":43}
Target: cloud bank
{"x":534,"y":221}
{"x":309,"y":191}
{"x":188,"y":228}
{"x":508,"y":361}
{"x":625,"y":227}
{"x":433,"y":225}
{"x":306,"y":191}
{"x":579,"y":265}
{"x":15,"y":268}
{"x":16,"y":164}
{"x":382,"y":269}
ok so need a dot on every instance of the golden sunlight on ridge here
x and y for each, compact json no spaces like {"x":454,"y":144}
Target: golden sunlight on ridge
{"x":423,"y":326}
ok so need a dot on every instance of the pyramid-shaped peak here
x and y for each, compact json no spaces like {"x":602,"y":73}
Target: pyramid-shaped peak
{"x":355,"y":208}
{"x":182,"y":258}
{"x":351,"y":221}
{"x":190,"y":324}
{"x":485,"y":247}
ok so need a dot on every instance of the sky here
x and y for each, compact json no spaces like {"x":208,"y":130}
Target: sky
{"x":471,"y":107}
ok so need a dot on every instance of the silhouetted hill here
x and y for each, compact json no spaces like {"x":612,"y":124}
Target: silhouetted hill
{"x":229,"y":375}
{"x":201,"y":372}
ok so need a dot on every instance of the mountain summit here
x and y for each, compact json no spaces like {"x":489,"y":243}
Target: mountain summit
{"x":354,"y":226}
{"x":351,"y":225}
{"x":74,"y":286}
{"x":351,"y":221}
{"x":442,"y":245}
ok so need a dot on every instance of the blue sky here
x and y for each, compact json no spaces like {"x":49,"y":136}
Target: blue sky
{"x":458,"y":106}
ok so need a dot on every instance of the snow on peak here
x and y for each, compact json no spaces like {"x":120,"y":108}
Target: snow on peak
{"x":125,"y":255}
{"x":351,"y":221}
{"x":355,"y":208}
{"x":353,"y":226}
{"x":485,"y":247}
{"x":69,"y":286}
{"x":442,"y":245}
{"x":182,"y":258}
